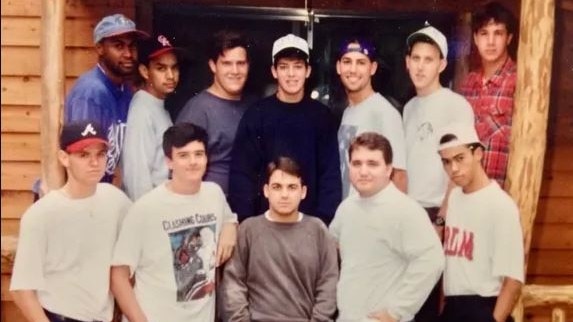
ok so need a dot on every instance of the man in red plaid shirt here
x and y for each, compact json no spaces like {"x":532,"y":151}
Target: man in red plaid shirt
{"x":490,"y":89}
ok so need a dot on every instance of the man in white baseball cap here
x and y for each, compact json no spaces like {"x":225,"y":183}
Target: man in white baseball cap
{"x":482,"y":238}
{"x":432,"y":108}
{"x":287,"y":123}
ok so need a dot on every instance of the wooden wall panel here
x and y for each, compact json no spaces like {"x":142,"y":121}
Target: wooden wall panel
{"x":550,"y":262}
{"x":21,"y":147}
{"x":14,"y":203}
{"x":25,"y":61}
{"x":552,"y":236}
{"x":557,"y":184}
{"x":74,"y":8}
{"x":19,"y":176}
{"x":10,"y":226}
{"x":555,"y":210}
{"x":25,"y":90}
{"x":20,"y":119}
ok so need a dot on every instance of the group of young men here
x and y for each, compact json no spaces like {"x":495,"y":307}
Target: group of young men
{"x":368,"y":196}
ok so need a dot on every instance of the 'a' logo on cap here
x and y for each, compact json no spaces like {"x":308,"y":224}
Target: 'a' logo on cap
{"x":164,"y":41}
{"x":89,"y":130}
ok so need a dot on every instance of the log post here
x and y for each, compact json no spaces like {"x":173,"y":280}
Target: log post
{"x":558,"y":315}
{"x":53,"y":79}
{"x":529,"y":128}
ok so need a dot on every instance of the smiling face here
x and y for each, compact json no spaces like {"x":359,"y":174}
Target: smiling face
{"x":424,"y":65}
{"x":161,"y":75}
{"x":491,"y":41}
{"x":291,"y":74}
{"x":284,"y":192}
{"x":86,"y":166}
{"x":355,"y":70}
{"x":118,"y":54}
{"x":188,"y":163}
{"x":230,"y":73}
{"x":368,"y":171}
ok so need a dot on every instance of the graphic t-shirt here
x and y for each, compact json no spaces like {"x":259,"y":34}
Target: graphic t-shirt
{"x":169,"y":242}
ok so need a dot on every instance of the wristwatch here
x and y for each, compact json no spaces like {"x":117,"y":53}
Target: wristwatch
{"x":439,"y":221}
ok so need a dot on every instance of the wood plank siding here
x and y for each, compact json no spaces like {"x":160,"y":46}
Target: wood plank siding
{"x":552,"y":242}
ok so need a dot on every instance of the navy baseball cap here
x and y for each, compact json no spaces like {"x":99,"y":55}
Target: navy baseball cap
{"x":115,"y":25}
{"x":358,"y":45}
{"x":77,"y":135}
{"x":156,"y":46}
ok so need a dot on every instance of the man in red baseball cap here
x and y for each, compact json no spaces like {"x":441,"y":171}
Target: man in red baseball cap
{"x":62,"y":267}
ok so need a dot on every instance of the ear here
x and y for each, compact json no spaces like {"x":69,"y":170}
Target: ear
{"x":407,"y":59}
{"x":99,"y":48}
{"x":212,"y":66}
{"x":144,"y":71}
{"x":266,"y":190}
{"x":169,"y":162}
{"x":478,"y":153}
{"x":308,"y":70}
{"x":509,"y":39}
{"x":443,"y":64}
{"x":389,"y":171}
{"x":303,"y":194}
{"x":475,"y":37}
{"x":338,"y":67}
{"x":373,"y":68}
{"x":274,"y":72}
{"x":64,"y":158}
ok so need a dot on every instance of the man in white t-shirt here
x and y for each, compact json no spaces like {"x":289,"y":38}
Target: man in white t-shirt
{"x":432,"y":108}
{"x":171,"y":239}
{"x":65,"y":247}
{"x":390,"y":255}
{"x":367,"y":111}
{"x":483,"y":240}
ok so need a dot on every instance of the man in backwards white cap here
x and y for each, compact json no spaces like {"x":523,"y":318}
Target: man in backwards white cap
{"x":288,"y":123}
{"x":482,"y":239}
{"x":432,"y":108}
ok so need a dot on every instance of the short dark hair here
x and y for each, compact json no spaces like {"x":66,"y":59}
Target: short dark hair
{"x":181,"y":134}
{"x":227,"y":39}
{"x":496,"y":12}
{"x":424,"y":39}
{"x":451,"y":137}
{"x":290,"y":53}
{"x":286,"y":165}
{"x":372,"y":141}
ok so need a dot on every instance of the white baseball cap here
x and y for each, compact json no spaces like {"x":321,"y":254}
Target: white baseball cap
{"x":290,"y":41}
{"x":464,"y":133}
{"x":432,"y":33}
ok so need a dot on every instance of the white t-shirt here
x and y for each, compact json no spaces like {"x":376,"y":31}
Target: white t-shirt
{"x":374,"y":114}
{"x":483,"y":242}
{"x":423,"y":117}
{"x":169,"y":242}
{"x":391,"y":256}
{"x":143,"y":160}
{"x":65,"y":249}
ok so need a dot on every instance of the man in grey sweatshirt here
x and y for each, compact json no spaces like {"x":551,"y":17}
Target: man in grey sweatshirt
{"x":285,"y":265}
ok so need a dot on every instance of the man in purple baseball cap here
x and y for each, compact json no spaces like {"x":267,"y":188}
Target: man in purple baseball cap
{"x":102,"y":94}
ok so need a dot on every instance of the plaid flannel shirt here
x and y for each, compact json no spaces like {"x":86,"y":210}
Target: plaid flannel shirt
{"x":492,"y":102}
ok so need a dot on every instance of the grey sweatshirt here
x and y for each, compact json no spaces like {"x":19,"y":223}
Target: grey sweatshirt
{"x":281,"y":272}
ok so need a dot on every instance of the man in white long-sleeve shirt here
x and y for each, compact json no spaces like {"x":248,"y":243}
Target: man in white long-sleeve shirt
{"x":391,"y":255}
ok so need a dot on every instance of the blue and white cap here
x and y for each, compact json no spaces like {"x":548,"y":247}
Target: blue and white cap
{"x":115,"y":25}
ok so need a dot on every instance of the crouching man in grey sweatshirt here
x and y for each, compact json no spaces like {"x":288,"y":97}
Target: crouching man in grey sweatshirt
{"x":285,"y":265}
{"x":391,"y":256}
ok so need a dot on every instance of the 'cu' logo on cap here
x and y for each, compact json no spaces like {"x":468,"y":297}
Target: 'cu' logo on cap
{"x":164,"y":41}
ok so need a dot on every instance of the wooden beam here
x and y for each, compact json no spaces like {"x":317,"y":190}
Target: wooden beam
{"x":53,"y":80}
{"x":529,"y":125}
{"x":541,"y":295}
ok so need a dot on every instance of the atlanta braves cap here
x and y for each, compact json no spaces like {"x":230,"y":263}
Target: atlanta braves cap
{"x":77,"y":135}
{"x":290,"y":41}
{"x":461,"y":134}
{"x":115,"y":25}
{"x":434,"y":34}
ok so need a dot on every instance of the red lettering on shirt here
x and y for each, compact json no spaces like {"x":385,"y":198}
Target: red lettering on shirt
{"x":459,"y":243}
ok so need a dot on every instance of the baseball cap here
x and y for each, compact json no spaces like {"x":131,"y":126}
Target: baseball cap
{"x":434,"y":34}
{"x":155,"y":46}
{"x":115,"y":25}
{"x":358,"y":45}
{"x":78,"y":135}
{"x":290,"y":41}
{"x":464,"y":133}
